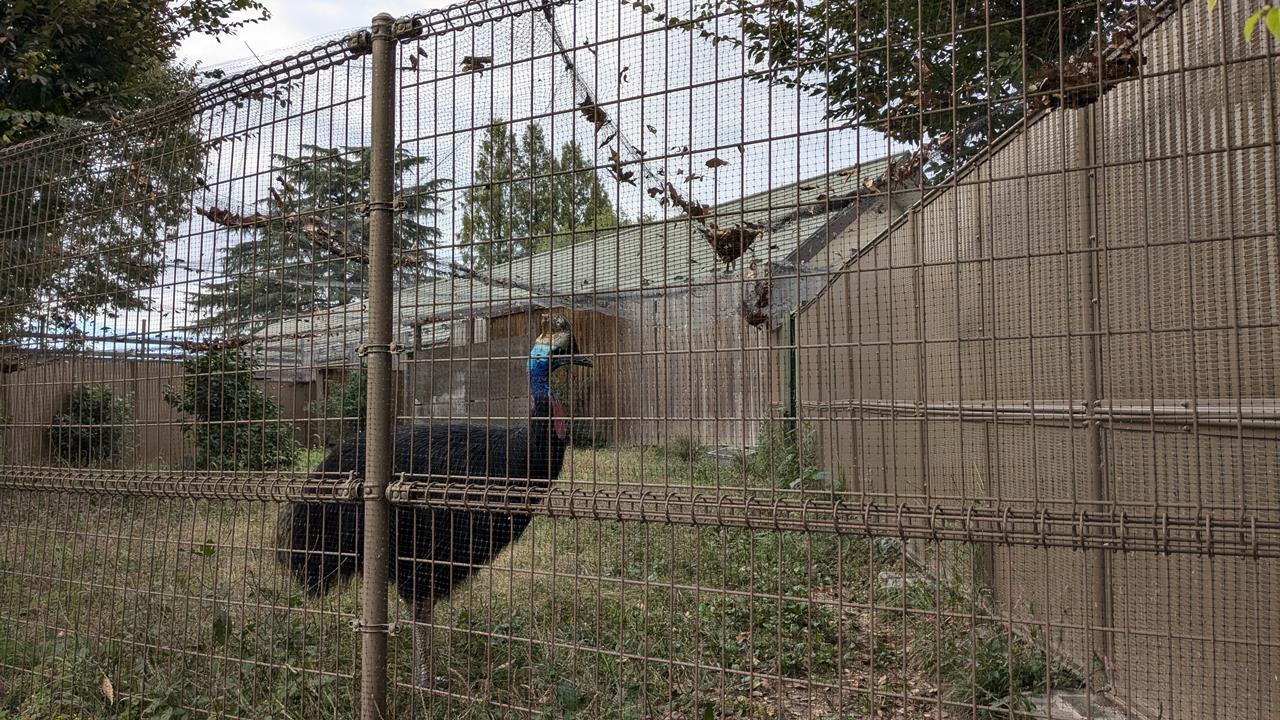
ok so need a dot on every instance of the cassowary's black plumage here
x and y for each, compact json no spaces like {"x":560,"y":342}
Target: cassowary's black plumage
{"x":452,"y":543}
{"x":433,"y":550}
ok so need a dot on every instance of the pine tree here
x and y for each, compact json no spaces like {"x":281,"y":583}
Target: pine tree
{"x":534,"y":194}
{"x":488,"y":234}
{"x":306,"y":252}
{"x":524,"y":200}
{"x":581,"y":202}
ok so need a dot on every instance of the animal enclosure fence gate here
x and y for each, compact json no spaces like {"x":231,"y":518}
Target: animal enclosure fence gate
{"x":667,"y":360}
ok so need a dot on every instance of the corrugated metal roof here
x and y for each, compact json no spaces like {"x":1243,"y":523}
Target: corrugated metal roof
{"x":591,"y":272}
{"x":674,"y":251}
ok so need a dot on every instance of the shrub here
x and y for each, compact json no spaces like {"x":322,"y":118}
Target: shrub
{"x":236,"y":426}
{"x":344,"y":408}
{"x":94,"y":428}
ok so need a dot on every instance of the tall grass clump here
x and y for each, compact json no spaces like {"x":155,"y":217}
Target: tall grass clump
{"x":786,"y":457}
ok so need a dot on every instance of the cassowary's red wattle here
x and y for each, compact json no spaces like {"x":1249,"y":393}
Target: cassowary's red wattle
{"x":557,"y":415}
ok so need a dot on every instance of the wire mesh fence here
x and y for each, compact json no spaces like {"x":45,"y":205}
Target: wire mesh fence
{"x":639,"y":360}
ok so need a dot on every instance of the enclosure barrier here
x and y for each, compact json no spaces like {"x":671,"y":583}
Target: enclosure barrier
{"x":932,"y":372}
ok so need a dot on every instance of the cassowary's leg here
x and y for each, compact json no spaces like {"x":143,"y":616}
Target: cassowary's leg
{"x":422,"y":665}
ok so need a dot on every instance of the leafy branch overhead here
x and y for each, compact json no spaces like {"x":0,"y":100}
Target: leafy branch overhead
{"x":948,"y":78}
{"x":82,"y":65}
{"x":1268,"y":15}
{"x":65,"y":63}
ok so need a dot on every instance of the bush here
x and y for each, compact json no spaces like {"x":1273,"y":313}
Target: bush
{"x":236,"y":426}
{"x":344,"y":409}
{"x":94,"y":428}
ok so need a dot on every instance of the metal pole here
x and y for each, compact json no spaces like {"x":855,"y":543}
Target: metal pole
{"x":1090,"y":300}
{"x":377,"y":473}
{"x":791,"y":412}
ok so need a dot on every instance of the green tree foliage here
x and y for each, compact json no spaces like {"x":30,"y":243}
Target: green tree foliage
{"x":915,"y":71}
{"x":533,"y":195}
{"x":524,"y":199}
{"x":489,"y":234}
{"x":84,"y":215}
{"x":67,"y":62}
{"x":234,"y":423}
{"x":344,"y":408}
{"x":1266,"y":14}
{"x":94,"y":427}
{"x":75,"y":242}
{"x":306,"y":252}
{"x":581,"y":203}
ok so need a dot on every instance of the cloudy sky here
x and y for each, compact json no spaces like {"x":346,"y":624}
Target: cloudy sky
{"x":293,"y":23}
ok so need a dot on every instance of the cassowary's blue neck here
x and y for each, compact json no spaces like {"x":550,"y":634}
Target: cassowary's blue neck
{"x":547,"y":436}
{"x":540,"y":373}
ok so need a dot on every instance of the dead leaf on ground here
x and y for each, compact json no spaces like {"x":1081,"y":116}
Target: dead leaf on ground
{"x":107,"y":689}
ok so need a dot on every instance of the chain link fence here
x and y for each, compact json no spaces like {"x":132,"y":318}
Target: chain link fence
{"x":637,"y":360}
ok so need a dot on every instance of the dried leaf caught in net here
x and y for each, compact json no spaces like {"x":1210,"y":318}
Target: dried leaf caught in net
{"x":593,"y":113}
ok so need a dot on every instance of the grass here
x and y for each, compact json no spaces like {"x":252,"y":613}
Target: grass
{"x":182,"y":607}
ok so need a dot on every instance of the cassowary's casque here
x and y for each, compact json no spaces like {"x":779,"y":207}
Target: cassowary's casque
{"x":434,"y":550}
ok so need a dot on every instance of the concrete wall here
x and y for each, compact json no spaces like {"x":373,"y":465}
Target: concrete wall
{"x":33,"y":395}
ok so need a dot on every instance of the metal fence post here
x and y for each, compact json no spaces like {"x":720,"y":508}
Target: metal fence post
{"x":1093,"y":388}
{"x":789,"y":372}
{"x":373,"y":656}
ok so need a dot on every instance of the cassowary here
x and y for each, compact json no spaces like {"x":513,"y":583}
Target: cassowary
{"x":433,"y":550}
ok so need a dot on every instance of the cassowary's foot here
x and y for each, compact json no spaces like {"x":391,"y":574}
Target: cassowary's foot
{"x":423,"y":680}
{"x":423,"y":677}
